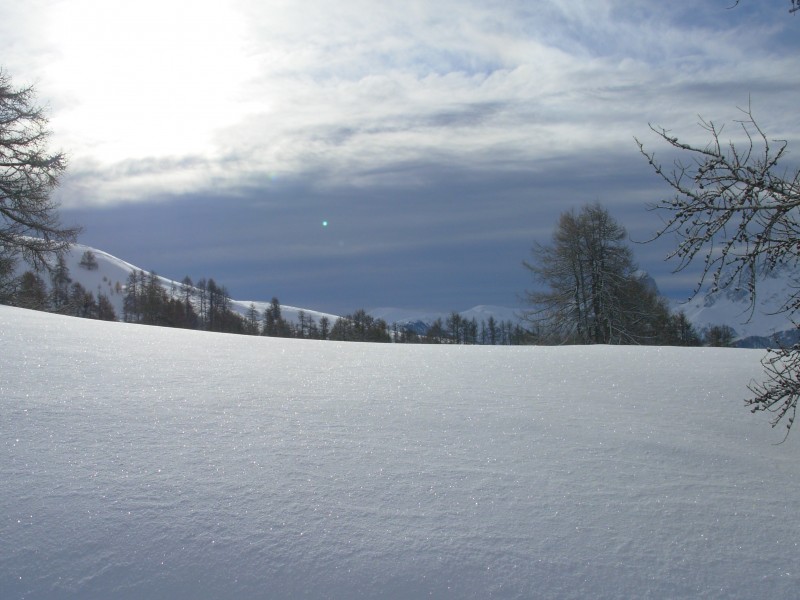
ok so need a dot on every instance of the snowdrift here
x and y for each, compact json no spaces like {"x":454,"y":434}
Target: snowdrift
{"x":140,"y":462}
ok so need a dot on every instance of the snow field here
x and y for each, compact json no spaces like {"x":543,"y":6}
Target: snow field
{"x":140,"y":462}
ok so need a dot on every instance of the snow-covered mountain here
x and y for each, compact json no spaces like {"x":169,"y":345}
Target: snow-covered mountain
{"x":755,"y":325}
{"x":146,"y":462}
{"x":110,"y":275}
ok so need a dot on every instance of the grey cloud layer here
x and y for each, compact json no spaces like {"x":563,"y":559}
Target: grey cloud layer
{"x":350,"y":89}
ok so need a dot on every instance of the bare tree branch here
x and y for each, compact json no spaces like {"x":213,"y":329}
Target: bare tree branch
{"x":737,"y":211}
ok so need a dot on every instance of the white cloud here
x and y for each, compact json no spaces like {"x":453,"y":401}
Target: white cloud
{"x":252,"y":89}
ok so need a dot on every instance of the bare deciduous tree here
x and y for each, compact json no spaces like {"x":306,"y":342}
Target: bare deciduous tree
{"x":736,"y":209}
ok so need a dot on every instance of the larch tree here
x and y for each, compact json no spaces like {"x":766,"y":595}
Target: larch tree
{"x":589,"y":275}
{"x":252,"y":321}
{"x":59,"y":280}
{"x":32,"y":292}
{"x":29,"y":171}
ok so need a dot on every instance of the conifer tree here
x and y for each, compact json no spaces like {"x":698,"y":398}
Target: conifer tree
{"x":29,"y":171}
{"x":105,"y":310}
{"x":32,"y":292}
{"x":59,"y":285}
{"x":324,"y":328}
{"x":252,"y":320}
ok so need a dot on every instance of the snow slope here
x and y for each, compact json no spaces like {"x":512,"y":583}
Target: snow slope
{"x":141,"y":462}
{"x":732,"y":307}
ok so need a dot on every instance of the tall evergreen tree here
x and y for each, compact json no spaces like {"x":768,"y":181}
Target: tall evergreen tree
{"x":130,"y":303}
{"x":274,"y":323}
{"x":491,"y":327}
{"x":454,"y":327}
{"x":32,"y":292}
{"x":59,"y":285}
{"x":324,"y":328}
{"x":81,"y":302}
{"x":105,"y":310}
{"x":252,"y":320}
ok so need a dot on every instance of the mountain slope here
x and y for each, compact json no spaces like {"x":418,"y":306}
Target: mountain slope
{"x":111,"y":274}
{"x":732,"y":307}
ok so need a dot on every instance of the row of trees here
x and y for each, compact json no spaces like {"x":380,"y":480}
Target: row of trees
{"x":360,"y":326}
{"x":456,"y":329}
{"x":204,"y":305}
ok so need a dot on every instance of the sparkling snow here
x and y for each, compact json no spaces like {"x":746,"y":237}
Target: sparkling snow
{"x":140,"y":462}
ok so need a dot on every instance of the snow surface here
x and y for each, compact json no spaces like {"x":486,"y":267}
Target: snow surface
{"x":141,"y":462}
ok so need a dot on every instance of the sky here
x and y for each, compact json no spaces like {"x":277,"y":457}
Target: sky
{"x":367,"y":154}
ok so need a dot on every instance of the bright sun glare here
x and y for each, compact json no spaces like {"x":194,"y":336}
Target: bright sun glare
{"x":147,"y":78}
